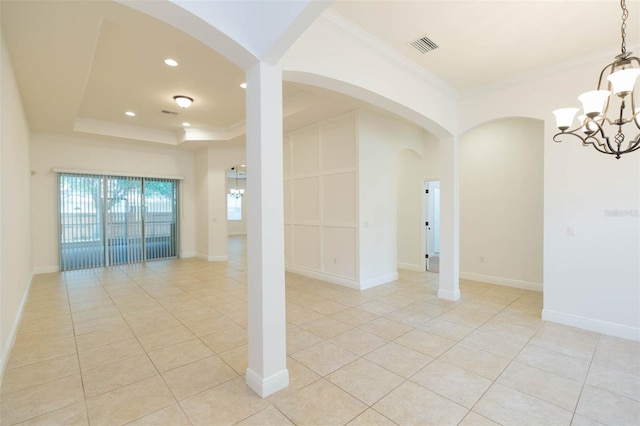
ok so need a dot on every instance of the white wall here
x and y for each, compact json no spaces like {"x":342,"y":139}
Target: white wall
{"x":320,"y":200}
{"x":501,"y":194}
{"x":15,"y":207}
{"x":335,"y":54}
{"x":341,"y":197}
{"x":201,"y":191}
{"x":591,"y":280}
{"x":211,"y":220}
{"x":415,"y":166}
{"x":88,"y":154}
{"x":218,"y":160}
{"x":381,"y":139}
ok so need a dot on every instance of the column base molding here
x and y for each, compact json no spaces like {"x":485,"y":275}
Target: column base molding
{"x":269,"y":385}
{"x":449,"y":294}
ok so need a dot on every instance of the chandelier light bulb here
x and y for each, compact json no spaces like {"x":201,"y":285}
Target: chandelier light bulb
{"x":622,"y":82}
{"x":593,"y":102}
{"x":564,"y":117}
{"x":183,"y":101}
{"x":589,"y":125}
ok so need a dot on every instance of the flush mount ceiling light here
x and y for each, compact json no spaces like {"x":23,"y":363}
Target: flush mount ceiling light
{"x":185,"y":124}
{"x":183,"y":101}
{"x":603,"y":112}
{"x":171,"y":62}
{"x":243,"y":85}
{"x":130,"y":113}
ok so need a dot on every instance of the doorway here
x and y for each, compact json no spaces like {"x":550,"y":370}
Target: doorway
{"x":432,"y":225}
{"x":112,"y":220}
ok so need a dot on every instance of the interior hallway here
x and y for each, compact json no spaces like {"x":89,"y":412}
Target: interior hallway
{"x":164,"y":343}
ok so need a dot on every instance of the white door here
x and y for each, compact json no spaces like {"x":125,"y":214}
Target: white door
{"x":432,"y":220}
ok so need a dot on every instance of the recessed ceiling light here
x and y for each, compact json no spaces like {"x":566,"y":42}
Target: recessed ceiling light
{"x":171,"y":62}
{"x":243,"y":85}
{"x":130,"y":113}
{"x":185,"y":124}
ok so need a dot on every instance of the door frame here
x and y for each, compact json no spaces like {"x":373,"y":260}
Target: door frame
{"x":427,"y":237}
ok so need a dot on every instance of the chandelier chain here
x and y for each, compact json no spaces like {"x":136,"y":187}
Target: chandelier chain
{"x":623,"y":27}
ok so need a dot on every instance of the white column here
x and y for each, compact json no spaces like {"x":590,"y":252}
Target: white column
{"x":217,"y":206}
{"x":449,"y":277}
{"x":267,"y":371}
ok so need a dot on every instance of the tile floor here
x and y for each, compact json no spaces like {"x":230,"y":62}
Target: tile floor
{"x":165,"y":344}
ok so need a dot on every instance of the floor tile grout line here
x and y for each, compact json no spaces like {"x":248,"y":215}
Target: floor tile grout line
{"x":410,"y":325}
{"x":469,"y":410}
{"x":584,"y":382}
{"x":160,"y":373}
{"x":505,"y":369}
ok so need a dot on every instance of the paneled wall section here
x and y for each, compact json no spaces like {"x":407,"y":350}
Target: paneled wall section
{"x":321,"y":211}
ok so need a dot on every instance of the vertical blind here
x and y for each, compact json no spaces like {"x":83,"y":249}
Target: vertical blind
{"x":113,"y":220}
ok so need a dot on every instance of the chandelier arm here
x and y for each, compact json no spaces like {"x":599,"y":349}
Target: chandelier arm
{"x":604,"y":148}
{"x":593,"y":141}
{"x":607,"y":142}
{"x":635,"y":114}
{"x":571,"y":133}
{"x":610,"y":67}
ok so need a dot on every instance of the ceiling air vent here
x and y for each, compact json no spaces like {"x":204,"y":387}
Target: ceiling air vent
{"x":424,"y":44}
{"x":166,"y":111}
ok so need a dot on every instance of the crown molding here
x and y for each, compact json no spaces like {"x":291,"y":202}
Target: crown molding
{"x":601,"y":57}
{"x":106,"y":128}
{"x":350,"y":30}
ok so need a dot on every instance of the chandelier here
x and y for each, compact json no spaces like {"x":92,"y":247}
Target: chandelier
{"x":606,"y":111}
{"x":237,"y":192}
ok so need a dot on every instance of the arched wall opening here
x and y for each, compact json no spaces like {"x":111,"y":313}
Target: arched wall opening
{"x":501,"y":202}
{"x":387,"y":85}
{"x":375,"y":99}
{"x":414,"y":169}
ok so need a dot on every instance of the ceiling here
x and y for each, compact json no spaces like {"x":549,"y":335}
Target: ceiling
{"x":481,"y":43}
{"x":81,"y":64}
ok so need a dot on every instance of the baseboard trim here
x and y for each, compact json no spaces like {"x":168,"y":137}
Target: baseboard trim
{"x":411,"y":267}
{"x":334,"y":279}
{"x":604,"y":327}
{"x":187,"y":255}
{"x":45,"y":269}
{"x":212,"y":258}
{"x":378,"y":281}
{"x":4,"y":357}
{"x":268,"y":385}
{"x":507,"y":282}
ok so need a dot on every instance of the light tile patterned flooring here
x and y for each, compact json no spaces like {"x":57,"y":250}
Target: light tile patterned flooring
{"x":165,"y":344}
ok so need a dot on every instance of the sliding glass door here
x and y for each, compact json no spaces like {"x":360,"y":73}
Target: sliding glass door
{"x":124,"y":220}
{"x":81,"y":221}
{"x":161,"y":218}
{"x":112,"y":220}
